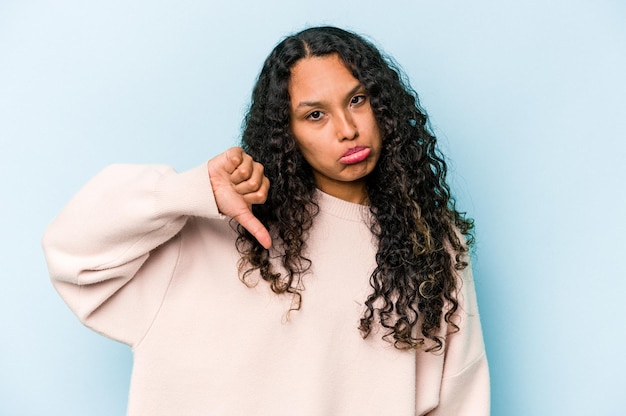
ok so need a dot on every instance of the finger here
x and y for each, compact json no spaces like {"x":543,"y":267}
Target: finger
{"x":260,"y":196}
{"x":233,"y":158}
{"x":244,"y":171}
{"x":256,"y":228}
{"x":254,"y":181}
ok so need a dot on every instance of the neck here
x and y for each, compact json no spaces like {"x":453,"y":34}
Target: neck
{"x":355,"y":192}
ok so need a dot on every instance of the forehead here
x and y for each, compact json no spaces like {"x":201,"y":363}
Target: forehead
{"x":318,"y":76}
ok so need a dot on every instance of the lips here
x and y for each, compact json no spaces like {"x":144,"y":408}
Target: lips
{"x":355,"y":155}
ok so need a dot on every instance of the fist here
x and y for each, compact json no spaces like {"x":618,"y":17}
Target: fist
{"x":239,"y":182}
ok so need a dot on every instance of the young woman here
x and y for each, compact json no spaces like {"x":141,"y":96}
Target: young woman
{"x":321,"y":269}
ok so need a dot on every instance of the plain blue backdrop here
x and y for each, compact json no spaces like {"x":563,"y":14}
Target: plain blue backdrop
{"x":527,"y":99}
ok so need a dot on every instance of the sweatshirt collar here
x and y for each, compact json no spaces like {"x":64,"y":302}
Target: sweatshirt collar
{"x":342,"y":209}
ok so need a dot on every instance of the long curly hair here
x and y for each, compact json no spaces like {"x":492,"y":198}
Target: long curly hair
{"x":422,"y":239}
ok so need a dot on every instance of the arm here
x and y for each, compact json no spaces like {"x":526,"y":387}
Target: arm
{"x":106,"y":233}
{"x":127,"y":214}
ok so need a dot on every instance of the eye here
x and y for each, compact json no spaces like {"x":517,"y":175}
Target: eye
{"x":358,"y":99}
{"x":315,"y":115}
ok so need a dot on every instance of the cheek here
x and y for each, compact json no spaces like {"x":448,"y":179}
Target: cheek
{"x":376,"y":130}
{"x":316,"y":154}
{"x":369,"y":124}
{"x":307,"y":141}
{"x":298,"y":140}
{"x":313,"y":152}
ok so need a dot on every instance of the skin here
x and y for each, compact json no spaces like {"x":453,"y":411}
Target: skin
{"x":331,"y":116}
{"x":238,"y":182}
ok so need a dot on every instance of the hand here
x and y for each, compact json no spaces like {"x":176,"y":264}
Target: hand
{"x":238,"y":182}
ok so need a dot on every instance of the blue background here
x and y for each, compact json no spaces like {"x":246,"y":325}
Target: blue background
{"x":527,"y":99}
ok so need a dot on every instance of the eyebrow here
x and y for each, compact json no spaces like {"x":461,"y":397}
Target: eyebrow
{"x":319,"y":103}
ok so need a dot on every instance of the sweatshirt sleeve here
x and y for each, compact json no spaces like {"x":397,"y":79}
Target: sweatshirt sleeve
{"x":104,"y":236}
{"x":465,"y":387}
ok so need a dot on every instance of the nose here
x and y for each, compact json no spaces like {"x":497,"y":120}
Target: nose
{"x":345,"y":126}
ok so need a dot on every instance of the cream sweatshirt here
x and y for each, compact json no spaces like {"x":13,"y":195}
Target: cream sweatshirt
{"x":142,"y":255}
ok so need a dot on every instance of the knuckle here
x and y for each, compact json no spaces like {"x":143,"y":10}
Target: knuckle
{"x":253,"y":183}
{"x":244,"y":171}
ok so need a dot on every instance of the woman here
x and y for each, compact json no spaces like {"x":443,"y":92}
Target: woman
{"x":357,"y":297}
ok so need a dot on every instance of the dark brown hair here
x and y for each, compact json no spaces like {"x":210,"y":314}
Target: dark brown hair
{"x":419,"y":231}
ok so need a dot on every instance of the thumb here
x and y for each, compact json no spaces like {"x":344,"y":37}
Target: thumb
{"x":256,"y":228}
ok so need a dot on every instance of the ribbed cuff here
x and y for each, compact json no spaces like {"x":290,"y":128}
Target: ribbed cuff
{"x":187,"y":193}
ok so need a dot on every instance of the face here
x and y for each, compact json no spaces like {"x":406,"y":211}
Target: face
{"x":334,"y":126}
